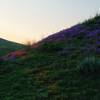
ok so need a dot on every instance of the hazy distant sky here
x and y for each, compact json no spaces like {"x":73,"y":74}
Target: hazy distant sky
{"x":23,"y":20}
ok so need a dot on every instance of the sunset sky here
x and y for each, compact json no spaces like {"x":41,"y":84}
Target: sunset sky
{"x":32,"y":20}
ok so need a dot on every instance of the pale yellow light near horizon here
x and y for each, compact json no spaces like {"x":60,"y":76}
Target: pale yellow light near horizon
{"x":31,"y":20}
{"x":20,"y":36}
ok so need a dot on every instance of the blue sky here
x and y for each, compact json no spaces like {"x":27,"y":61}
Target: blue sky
{"x":23,"y":20}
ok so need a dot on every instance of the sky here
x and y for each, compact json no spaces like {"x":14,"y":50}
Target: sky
{"x":31,"y":20}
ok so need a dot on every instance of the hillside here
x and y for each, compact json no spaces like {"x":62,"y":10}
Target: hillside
{"x":63,"y":66}
{"x":8,"y":46}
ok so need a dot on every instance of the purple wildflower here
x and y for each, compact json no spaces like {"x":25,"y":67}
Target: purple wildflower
{"x":93,"y":33}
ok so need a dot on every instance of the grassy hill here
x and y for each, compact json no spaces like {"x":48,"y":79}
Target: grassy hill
{"x":8,"y":46}
{"x":64,"y":66}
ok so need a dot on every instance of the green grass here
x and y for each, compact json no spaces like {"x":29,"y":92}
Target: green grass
{"x":8,"y":46}
{"x":55,"y":71}
{"x":46,"y":75}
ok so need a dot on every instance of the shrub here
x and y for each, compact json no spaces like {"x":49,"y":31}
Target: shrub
{"x":52,"y":46}
{"x":93,"y":23}
{"x":89,"y":66}
{"x":6,"y":67}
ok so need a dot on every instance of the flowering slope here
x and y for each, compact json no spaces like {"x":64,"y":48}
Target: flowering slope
{"x":63,"y":66}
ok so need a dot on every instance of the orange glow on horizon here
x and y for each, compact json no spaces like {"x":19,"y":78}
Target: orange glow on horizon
{"x":32,"y":20}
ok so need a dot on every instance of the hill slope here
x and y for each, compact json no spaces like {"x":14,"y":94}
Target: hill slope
{"x":64,"y":66}
{"x":8,"y":46}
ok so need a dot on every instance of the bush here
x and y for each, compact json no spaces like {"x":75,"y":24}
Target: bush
{"x":93,"y":23}
{"x":89,"y":66}
{"x":6,"y":67}
{"x":52,"y":46}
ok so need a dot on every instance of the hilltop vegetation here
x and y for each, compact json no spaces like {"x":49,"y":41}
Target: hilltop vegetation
{"x":63,"y":66}
{"x":8,"y":46}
